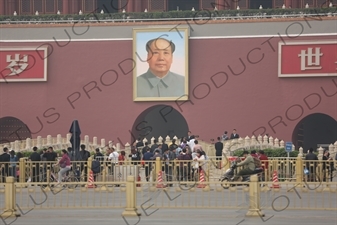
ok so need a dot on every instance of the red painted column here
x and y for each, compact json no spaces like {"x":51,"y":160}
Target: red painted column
{"x":2,"y":7}
{"x":65,"y":5}
{"x":288,"y":3}
{"x":11,"y":7}
{"x":130,"y":6}
{"x":137,"y":5}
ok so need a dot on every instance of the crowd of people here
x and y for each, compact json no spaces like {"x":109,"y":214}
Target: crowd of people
{"x":188,"y":150}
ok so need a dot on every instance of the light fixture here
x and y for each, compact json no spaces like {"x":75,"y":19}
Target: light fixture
{"x":102,"y":11}
{"x":80,"y":12}
{"x":145,"y":10}
{"x":36,"y":13}
{"x":193,"y":9}
{"x":238,"y":8}
{"x":215,"y":8}
{"x":123,"y":11}
{"x":330,"y":5}
{"x":58,"y":12}
{"x":307,"y":6}
{"x":283,"y":6}
{"x":15,"y":14}
{"x":260,"y":7}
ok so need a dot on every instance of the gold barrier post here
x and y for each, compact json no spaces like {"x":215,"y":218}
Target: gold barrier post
{"x":103,"y":188}
{"x":254,"y":198}
{"x":226,"y":163}
{"x":47,"y":188}
{"x":89,"y":163}
{"x":10,"y":199}
{"x":157,"y":167}
{"x":131,"y":209}
{"x":299,"y":170}
{"x":22,"y":170}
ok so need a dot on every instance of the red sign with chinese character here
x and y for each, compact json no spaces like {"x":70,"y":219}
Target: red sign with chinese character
{"x":23,"y":64}
{"x":307,"y":59}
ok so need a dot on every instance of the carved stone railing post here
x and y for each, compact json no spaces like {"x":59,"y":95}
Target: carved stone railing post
{"x":39,"y":142}
{"x":300,"y":152}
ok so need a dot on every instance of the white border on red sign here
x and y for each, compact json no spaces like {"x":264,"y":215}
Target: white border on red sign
{"x":280,"y":44}
{"x":45,"y":55}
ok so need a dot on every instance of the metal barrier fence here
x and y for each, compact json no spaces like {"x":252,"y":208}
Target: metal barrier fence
{"x":150,"y":196}
{"x":291,"y":170}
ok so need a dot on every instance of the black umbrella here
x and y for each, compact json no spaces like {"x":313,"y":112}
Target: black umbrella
{"x":75,"y":140}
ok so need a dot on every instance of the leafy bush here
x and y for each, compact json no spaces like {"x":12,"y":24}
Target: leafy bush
{"x":279,"y":152}
{"x":206,"y":14}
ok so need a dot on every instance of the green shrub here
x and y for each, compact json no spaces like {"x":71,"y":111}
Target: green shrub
{"x":279,"y":152}
{"x":171,"y":14}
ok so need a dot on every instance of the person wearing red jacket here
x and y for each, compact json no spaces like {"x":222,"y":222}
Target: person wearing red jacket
{"x":65,"y":165}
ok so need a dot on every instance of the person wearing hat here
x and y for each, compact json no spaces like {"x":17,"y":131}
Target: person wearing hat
{"x":248,"y":166}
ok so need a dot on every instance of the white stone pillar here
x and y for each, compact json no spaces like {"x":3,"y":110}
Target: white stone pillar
{"x":17,"y":146}
{"x":320,"y":153}
{"x":152,"y":140}
{"x":265,"y":140}
{"x":103,"y":143}
{"x":277,"y":143}
{"x":247,"y":142}
{"x":86,"y":141}
{"x":59,"y":141}
{"x":300,"y":154}
{"x":38,"y":142}
{"x":271,"y":142}
{"x":240,"y":142}
{"x":49,"y":140}
{"x":94,"y":142}
{"x":282,"y":144}
{"x":28,"y":144}
{"x":118,"y":147}
{"x":253,"y":142}
{"x":260,"y":141}
{"x":167,"y":139}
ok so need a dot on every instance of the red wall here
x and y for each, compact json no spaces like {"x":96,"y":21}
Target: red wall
{"x":255,"y":99}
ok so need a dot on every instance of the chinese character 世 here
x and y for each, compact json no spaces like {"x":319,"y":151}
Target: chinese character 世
{"x":17,"y":65}
{"x":310,"y":60}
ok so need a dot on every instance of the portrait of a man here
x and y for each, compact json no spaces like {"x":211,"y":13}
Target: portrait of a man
{"x":159,"y":79}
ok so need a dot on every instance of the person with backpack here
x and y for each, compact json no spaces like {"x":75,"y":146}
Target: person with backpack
{"x":135,"y":156}
{"x":96,"y":168}
{"x":248,"y":164}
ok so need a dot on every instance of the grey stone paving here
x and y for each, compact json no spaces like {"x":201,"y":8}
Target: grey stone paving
{"x":171,"y":216}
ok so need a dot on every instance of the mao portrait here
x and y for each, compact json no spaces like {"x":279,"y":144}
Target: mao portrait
{"x":161,"y":69}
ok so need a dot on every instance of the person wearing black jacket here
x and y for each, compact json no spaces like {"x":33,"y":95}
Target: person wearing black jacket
{"x":84,"y":156}
{"x":146,"y":147}
{"x":218,"y":152}
{"x":5,"y":158}
{"x":98,"y":155}
{"x":135,"y":156}
{"x":154,"y":146}
{"x":35,"y":157}
{"x":328,"y":166}
{"x":311,"y":156}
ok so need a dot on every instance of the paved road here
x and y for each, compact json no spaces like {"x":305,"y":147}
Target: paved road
{"x":171,"y":216}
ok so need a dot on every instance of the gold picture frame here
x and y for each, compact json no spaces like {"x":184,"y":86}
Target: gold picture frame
{"x":161,"y":64}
